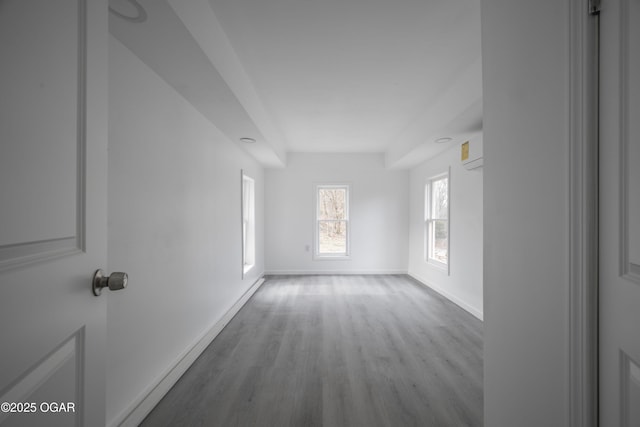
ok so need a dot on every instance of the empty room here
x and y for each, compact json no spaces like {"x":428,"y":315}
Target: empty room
{"x":319,"y":213}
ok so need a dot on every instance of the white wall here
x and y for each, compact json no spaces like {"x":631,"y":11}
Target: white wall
{"x":378,"y":213}
{"x":526,"y":227}
{"x":463,"y":283}
{"x":174,"y":227}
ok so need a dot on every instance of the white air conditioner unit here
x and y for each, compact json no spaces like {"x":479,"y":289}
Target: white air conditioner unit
{"x":471,"y":153}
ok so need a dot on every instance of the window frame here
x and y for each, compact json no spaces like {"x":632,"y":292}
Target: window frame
{"x":317,"y":255}
{"x":429,"y":221}
{"x":248,"y":222}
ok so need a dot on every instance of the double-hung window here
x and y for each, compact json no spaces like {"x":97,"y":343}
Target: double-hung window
{"x":332,"y":221}
{"x":248,"y":224}
{"x":437,"y":220}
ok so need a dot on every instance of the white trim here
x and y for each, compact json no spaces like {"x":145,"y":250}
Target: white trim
{"x":438,"y":265}
{"x":331,"y":272}
{"x":317,"y":256}
{"x":332,"y":258}
{"x":154,"y":392}
{"x":247,"y":222}
{"x":446,"y":267}
{"x":478,"y":313}
{"x":582,"y":219}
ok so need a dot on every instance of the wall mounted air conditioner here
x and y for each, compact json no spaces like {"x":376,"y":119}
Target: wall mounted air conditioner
{"x":471,"y":153}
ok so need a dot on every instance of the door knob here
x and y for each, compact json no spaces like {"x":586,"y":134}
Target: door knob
{"x":114,"y":282}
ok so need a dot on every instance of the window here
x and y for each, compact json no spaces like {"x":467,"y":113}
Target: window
{"x":332,"y":221}
{"x":437,"y":220}
{"x":248,"y":224}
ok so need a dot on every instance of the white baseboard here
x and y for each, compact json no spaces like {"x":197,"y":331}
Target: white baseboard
{"x":462,"y":304}
{"x":330,"y":272}
{"x":149,"y":398}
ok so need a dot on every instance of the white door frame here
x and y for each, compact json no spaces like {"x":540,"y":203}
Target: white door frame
{"x":583,"y":216}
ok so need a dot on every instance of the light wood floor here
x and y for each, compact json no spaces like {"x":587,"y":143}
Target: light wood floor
{"x":336,"y":351}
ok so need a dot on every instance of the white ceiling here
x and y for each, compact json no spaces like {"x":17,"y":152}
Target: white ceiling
{"x":386,"y":76}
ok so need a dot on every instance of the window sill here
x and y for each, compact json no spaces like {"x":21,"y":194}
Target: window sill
{"x":438,"y":265}
{"x":331,"y":257}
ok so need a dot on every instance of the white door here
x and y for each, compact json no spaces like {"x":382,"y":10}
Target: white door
{"x":53,"y":136}
{"x":620,"y":213}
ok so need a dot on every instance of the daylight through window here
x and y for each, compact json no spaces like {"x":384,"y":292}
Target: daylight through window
{"x":332,"y":221}
{"x":437,"y":219}
{"x":248,"y":224}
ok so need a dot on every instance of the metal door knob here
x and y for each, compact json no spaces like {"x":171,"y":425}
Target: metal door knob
{"x":114,"y":282}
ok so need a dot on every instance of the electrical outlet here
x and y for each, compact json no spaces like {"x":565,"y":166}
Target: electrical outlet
{"x":307,"y":248}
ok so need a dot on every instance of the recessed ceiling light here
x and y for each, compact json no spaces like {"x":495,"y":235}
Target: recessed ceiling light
{"x":443,"y":140}
{"x":248,"y":140}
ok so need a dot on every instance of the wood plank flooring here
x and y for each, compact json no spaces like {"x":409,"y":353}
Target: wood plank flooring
{"x":336,"y":351}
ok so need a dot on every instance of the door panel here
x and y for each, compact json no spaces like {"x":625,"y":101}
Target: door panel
{"x":53,"y":134}
{"x":40,"y":117}
{"x":630,"y":143}
{"x":39,"y":76}
{"x":54,"y":380}
{"x":620,"y":213}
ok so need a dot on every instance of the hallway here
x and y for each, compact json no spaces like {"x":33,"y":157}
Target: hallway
{"x":336,"y":351}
